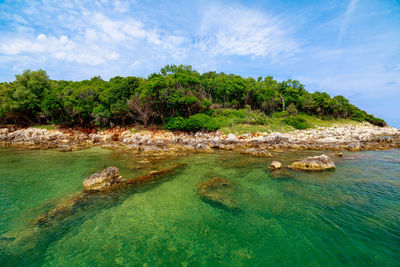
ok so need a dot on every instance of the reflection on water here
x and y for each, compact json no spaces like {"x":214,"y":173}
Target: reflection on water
{"x":347,"y":216}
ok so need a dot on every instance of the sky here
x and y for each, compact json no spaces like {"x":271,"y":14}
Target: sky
{"x":343,"y":47}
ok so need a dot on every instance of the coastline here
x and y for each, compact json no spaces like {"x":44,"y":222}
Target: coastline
{"x":336,"y":138}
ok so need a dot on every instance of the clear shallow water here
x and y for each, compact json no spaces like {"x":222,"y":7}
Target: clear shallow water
{"x":350,"y":216}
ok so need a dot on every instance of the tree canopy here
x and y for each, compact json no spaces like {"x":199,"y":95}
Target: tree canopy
{"x":174,"y":92}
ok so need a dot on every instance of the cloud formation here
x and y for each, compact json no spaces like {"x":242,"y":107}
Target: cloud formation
{"x":236,"y":30}
{"x":88,"y":34}
{"x":86,"y":37}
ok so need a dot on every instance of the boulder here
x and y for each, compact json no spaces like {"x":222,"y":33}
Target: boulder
{"x":231,"y":138}
{"x":355,"y":146}
{"x":218,"y":191}
{"x":275,"y":165}
{"x":103,"y":180}
{"x":202,"y":147}
{"x":317,"y":163}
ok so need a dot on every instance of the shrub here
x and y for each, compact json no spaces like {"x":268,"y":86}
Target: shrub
{"x":197,"y":122}
{"x":297,"y":122}
{"x":194,"y":123}
{"x":292,"y":110}
{"x":209,"y":111}
{"x":175,"y":123}
{"x":239,"y":116}
{"x":375,"y":121}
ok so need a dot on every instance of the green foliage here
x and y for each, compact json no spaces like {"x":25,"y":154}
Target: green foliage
{"x":46,"y":127}
{"x":297,"y":122}
{"x":240,"y":116}
{"x":292,"y":110}
{"x":175,"y":124}
{"x":376,"y":121}
{"x":175,"y":92}
{"x":194,"y":123}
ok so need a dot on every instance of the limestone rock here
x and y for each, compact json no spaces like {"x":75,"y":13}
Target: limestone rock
{"x":103,"y":180}
{"x":317,"y":163}
{"x":231,"y":138}
{"x":275,"y":165}
{"x":202,"y":147}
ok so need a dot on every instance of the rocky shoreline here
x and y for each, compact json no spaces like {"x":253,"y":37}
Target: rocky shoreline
{"x":336,"y":138}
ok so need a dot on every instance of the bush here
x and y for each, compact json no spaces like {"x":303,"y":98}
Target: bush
{"x":375,"y":121}
{"x":297,"y":122}
{"x":292,"y":110}
{"x":194,"y":123}
{"x":197,"y":122}
{"x":230,"y":117}
{"x":175,"y":123}
{"x":209,"y":111}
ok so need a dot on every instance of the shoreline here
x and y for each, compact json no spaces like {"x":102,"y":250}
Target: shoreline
{"x":335,"y":138}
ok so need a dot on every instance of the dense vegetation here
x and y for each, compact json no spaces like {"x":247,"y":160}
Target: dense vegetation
{"x":178,"y":98}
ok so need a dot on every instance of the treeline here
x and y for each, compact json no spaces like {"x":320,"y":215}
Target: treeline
{"x":174,"y":92}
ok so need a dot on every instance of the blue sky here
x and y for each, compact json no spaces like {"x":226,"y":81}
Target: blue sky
{"x":346,"y":47}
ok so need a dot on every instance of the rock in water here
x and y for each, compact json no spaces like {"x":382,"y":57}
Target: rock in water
{"x":103,"y":180}
{"x":318,"y":163}
{"x":218,"y":191}
{"x":257,"y":152}
{"x":275,"y":165}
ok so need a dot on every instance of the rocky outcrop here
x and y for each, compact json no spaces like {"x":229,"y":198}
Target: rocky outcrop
{"x":103,"y":180}
{"x":346,"y":137}
{"x":275,"y":165}
{"x":317,"y":163}
{"x":218,"y":191}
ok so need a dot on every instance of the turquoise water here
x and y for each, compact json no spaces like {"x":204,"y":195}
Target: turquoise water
{"x":350,"y":216}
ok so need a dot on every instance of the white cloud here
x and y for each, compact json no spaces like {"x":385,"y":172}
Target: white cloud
{"x":345,"y":21}
{"x":121,"y":6}
{"x":59,"y":48}
{"x":242,"y":31}
{"x":90,"y":38}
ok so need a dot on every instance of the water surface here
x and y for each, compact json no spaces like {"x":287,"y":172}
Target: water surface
{"x":350,"y":216}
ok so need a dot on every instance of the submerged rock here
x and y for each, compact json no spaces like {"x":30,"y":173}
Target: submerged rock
{"x":102,"y":190}
{"x":64,"y":148}
{"x":257,"y":152}
{"x":99,"y":186}
{"x":102,"y":180}
{"x":275,"y":165}
{"x":317,"y":163}
{"x":218,"y":191}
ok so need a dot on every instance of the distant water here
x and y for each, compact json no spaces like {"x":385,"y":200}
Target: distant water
{"x":350,"y":216}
